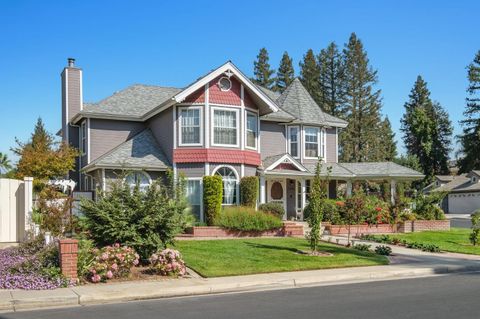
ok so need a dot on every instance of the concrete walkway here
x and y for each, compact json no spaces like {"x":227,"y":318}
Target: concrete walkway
{"x":406,"y":263}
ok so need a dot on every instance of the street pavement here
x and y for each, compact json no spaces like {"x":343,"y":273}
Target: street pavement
{"x":449,"y":296}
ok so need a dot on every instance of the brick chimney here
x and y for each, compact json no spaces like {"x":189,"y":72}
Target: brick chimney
{"x":72,"y":99}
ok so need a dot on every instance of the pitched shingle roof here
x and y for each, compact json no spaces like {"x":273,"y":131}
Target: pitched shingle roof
{"x":134,"y":101}
{"x":461,"y":183}
{"x":139,"y":152}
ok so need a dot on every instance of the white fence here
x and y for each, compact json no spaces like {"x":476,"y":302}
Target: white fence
{"x":15,"y":208}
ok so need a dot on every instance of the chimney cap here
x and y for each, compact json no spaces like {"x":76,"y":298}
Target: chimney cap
{"x":71,"y":62}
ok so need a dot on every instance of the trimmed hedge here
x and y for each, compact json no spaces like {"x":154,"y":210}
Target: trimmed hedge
{"x":247,"y":219}
{"x":275,"y":209}
{"x":212,"y":198}
{"x":249,"y":191}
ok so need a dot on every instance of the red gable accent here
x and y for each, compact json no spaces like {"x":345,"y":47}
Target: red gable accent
{"x":248,"y":101}
{"x":196,"y":97}
{"x":211,"y":155}
{"x":288,"y":166}
{"x":230,"y":97}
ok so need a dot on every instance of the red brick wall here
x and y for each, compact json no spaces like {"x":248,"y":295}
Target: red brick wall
{"x":360,"y":229}
{"x":68,"y":251}
{"x":423,"y":225}
{"x":289,"y":229}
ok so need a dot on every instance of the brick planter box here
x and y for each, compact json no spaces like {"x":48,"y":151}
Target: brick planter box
{"x":359,"y":229}
{"x":68,"y":253}
{"x":424,"y":225}
{"x":288,"y":229}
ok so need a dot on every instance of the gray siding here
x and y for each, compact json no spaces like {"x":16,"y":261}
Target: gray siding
{"x":162,"y":128}
{"x":107,"y":134}
{"x":272,"y":139}
{"x":331,"y":146}
{"x":191,"y":169}
{"x":250,"y":170}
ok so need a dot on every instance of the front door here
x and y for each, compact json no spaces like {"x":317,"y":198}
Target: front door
{"x":291,"y":199}
{"x":277,"y":192}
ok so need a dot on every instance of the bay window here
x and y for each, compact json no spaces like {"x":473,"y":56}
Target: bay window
{"x":225,"y":129}
{"x":293,"y":141}
{"x":190,"y":126}
{"x":252,"y":130}
{"x":311,"y":142}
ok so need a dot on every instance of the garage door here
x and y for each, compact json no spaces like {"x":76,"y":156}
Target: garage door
{"x":464,"y":203}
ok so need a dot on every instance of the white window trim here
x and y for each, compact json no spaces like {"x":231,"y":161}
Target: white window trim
{"x":289,"y":145}
{"x":202,"y":217}
{"x":318,"y":142}
{"x":212,"y":126}
{"x":83,"y":136}
{"x":180,"y":108}
{"x":323,"y":146}
{"x":246,"y":130}
{"x":220,"y":87}
{"x":237,"y":188}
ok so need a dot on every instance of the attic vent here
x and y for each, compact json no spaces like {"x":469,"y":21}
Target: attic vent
{"x":225,"y":84}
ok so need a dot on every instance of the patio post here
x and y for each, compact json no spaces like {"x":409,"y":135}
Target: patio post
{"x":393,"y":190}
{"x":262,"y":189}
{"x":349,"y":188}
{"x":303,"y":192}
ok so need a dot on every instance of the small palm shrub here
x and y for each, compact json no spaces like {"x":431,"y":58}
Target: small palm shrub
{"x":275,"y":209}
{"x":112,"y":262}
{"x":167,"y":262}
{"x":383,"y":250}
{"x":249,"y":191}
{"x":247,"y":219}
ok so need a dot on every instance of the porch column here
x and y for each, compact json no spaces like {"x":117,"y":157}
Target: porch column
{"x":349,"y":188}
{"x":393,"y":191}
{"x":303,"y":192}
{"x":262,"y":190}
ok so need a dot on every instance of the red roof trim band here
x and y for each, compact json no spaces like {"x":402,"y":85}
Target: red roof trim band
{"x":203,"y":155}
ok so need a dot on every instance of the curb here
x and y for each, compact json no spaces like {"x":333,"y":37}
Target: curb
{"x":19,"y":300}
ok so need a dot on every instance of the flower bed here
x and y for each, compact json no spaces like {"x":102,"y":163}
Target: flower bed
{"x":288,"y":229}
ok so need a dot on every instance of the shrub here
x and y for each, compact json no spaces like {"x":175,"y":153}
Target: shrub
{"x":168,"y":262}
{"x":383,"y":250}
{"x":331,"y":213}
{"x":85,"y":257}
{"x":427,"y":207}
{"x":146,"y":220}
{"x":275,"y":209}
{"x":212,"y":197}
{"x":112,"y":262}
{"x":52,"y":211}
{"x":362,"y":247}
{"x":475,"y":234}
{"x":247,"y":219}
{"x":249,"y":191}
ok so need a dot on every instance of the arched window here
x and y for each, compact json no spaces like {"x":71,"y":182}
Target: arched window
{"x":230,"y":181}
{"x":141,"y":179}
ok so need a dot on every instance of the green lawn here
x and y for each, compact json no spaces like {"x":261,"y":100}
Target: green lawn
{"x":214,"y":258}
{"x":455,"y":240}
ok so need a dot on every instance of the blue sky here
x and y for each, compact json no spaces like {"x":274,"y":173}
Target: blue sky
{"x":118,"y":43}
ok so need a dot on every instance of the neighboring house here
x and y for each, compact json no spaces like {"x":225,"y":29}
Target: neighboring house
{"x":463,"y":192}
{"x":220,"y":124}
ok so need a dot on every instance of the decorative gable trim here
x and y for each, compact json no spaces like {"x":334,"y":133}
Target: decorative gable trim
{"x":286,"y":159}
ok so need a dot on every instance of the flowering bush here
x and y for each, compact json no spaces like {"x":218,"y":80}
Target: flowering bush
{"x":31,"y":266}
{"x":112,"y":262}
{"x":167,"y":262}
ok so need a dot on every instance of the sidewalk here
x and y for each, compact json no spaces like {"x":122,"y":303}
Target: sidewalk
{"x":407,"y":263}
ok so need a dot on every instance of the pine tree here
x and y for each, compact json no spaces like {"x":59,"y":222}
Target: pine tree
{"x":360,"y":140}
{"x":427,"y":130}
{"x":285,"y":73}
{"x":470,"y":137}
{"x":261,"y":70}
{"x":5,"y":163}
{"x":388,"y":146}
{"x":43,"y":158}
{"x":310,"y":75}
{"x":332,"y":80}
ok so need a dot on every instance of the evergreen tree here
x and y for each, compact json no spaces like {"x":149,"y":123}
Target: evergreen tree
{"x":285,"y":73}
{"x":310,"y":75}
{"x":5,"y":163}
{"x":470,"y":137}
{"x":427,"y":130}
{"x":360,"y":140}
{"x":261,"y":70}
{"x":43,"y":158}
{"x":388,"y":145}
{"x":332,"y":80}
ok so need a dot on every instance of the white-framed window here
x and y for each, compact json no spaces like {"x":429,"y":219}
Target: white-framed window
{"x":224,"y":84}
{"x":293,"y":141}
{"x":314,"y":142}
{"x":193,"y":193}
{"x":190,"y":125}
{"x":225,"y":126}
{"x":142,"y":179}
{"x":83,"y":138}
{"x":251,"y":130}
{"x":230,"y":184}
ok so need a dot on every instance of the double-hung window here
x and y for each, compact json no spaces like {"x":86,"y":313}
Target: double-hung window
{"x":293,"y":141}
{"x":252,"y":130}
{"x":311,"y":142}
{"x":190,"y":122}
{"x":225,"y":127}
{"x":83,"y":137}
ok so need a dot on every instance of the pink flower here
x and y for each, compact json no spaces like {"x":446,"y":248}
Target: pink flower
{"x":115,"y":267}
{"x":135,"y":262}
{"x":109,"y":274}
{"x":104,"y":256}
{"x":117,"y":245}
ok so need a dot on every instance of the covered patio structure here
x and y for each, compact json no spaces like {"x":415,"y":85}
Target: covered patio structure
{"x":286,"y":181}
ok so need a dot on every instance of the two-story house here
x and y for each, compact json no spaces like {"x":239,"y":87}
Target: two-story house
{"x":220,"y":124}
